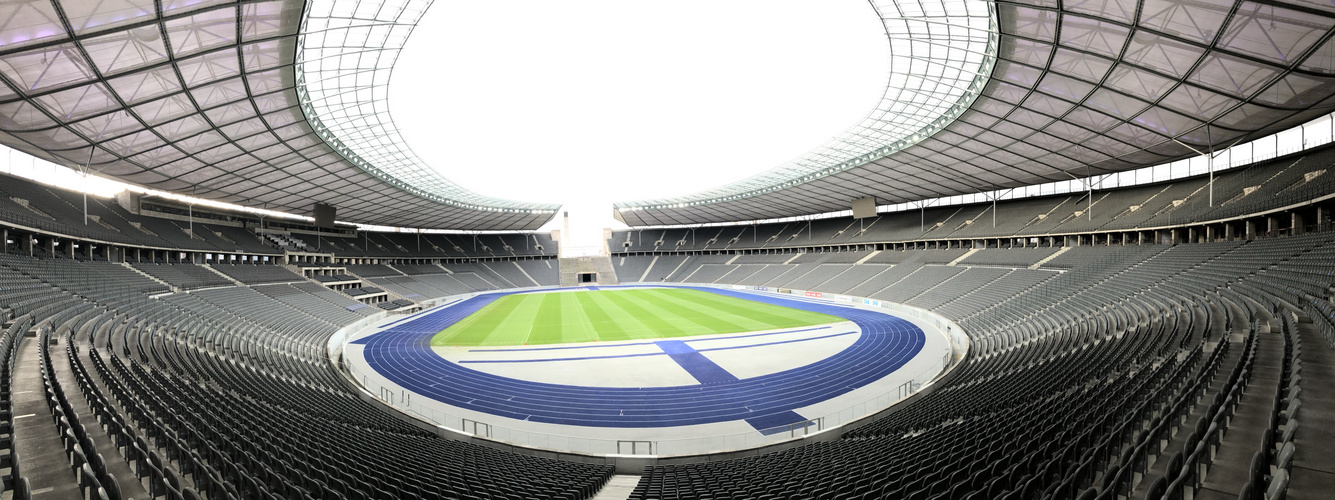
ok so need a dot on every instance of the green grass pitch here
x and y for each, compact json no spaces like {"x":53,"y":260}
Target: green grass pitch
{"x":610,"y":315}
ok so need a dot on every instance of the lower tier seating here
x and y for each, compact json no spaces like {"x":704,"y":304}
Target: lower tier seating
{"x":1128,"y":372}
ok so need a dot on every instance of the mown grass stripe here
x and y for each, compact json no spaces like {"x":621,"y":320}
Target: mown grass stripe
{"x":548,"y":324}
{"x":706,"y":322}
{"x":789,"y":317}
{"x":475,"y":329}
{"x":716,"y":308}
{"x":650,"y":319}
{"x":628,"y":322}
{"x":515,"y":327}
{"x":577,"y":326}
{"x":618,"y":314}
{"x":607,"y":328}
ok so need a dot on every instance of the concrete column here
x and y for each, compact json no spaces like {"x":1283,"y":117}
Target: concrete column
{"x":67,"y":246}
{"x":1229,"y":232}
{"x":1297,"y":223}
{"x":88,"y":250}
{"x":1271,"y":225}
{"x":1209,"y":233}
{"x":25,"y":244}
{"x":1321,"y":215}
{"x":49,"y":245}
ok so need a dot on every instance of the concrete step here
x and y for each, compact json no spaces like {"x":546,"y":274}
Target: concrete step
{"x":618,"y":488}
{"x":116,"y":464}
{"x":1250,"y":419}
{"x":41,"y":456}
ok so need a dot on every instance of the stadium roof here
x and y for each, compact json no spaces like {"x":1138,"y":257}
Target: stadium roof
{"x":232,"y":101}
{"x":281,"y":104}
{"x":1077,"y":89}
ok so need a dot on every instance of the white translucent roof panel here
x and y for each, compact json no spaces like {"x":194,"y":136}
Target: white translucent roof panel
{"x":347,"y":52}
{"x":941,"y":52}
{"x":197,"y":97}
{"x":1085,"y":88}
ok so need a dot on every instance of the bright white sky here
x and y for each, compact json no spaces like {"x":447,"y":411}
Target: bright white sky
{"x":587,"y":102}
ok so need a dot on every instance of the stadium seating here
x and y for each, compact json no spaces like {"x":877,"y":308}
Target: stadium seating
{"x":1086,"y":381}
{"x":1143,"y":397}
{"x":139,"y":364}
{"x":257,"y":274}
{"x":1096,"y":371}
{"x":1292,"y":179}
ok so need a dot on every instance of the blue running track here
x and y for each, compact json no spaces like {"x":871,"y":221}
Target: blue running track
{"x":403,"y":354}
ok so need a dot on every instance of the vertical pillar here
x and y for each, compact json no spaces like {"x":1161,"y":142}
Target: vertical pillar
{"x":88,"y":250}
{"x":25,"y":244}
{"x":1297,"y":223}
{"x":49,"y":246}
{"x":1271,"y":225}
{"x":1229,"y":231}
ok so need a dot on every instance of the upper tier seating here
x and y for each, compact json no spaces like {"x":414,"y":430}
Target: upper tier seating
{"x":1272,"y":183}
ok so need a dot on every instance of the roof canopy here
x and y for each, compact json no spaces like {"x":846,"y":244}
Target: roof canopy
{"x":281,"y":103}
{"x":1078,"y":88}
{"x":202,"y":98}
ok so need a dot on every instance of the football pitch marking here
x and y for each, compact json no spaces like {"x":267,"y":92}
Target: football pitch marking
{"x":617,"y":315}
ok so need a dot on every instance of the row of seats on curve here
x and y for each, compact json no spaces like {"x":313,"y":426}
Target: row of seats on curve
{"x":1016,"y":340}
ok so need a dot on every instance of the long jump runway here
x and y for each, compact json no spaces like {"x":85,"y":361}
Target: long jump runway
{"x":403,"y":354}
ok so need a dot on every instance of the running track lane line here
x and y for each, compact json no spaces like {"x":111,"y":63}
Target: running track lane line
{"x":658,"y":343}
{"x":403,"y":355}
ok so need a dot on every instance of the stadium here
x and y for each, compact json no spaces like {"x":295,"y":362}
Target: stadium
{"x":1075,"y":251}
